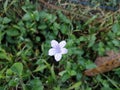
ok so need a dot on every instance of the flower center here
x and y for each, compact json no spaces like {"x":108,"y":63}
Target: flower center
{"x":58,"y":49}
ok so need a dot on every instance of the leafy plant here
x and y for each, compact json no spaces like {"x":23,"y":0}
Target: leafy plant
{"x":26,"y":30}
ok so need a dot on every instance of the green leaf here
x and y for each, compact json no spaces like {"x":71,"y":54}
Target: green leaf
{"x":116,"y":27}
{"x":38,"y":39}
{"x":65,"y":77}
{"x":1,"y":36}
{"x":36,"y":15}
{"x":27,"y":17}
{"x":17,"y":68}
{"x":55,"y":27}
{"x":57,"y":88}
{"x":12,"y":32}
{"x":2,"y":76}
{"x":83,"y":38}
{"x":116,"y":42}
{"x":62,"y":73}
{"x":40,"y":68}
{"x":5,"y":5}
{"x":4,"y":55}
{"x":36,"y":84}
{"x":9,"y":72}
{"x":63,"y":18}
{"x":43,"y":27}
{"x":90,"y":65}
{"x":53,"y":73}
{"x":14,"y":82}
{"x":74,"y":86}
{"x":6,"y":20}
{"x":91,"y":39}
{"x":106,"y":88}
{"x":117,"y":71}
{"x":2,"y":88}
{"x":72,"y":73}
{"x":64,"y":29}
{"x":101,"y":48}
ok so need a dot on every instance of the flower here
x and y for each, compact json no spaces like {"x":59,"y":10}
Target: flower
{"x":57,"y":49}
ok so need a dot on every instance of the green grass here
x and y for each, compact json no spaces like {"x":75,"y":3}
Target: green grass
{"x":25,"y":36}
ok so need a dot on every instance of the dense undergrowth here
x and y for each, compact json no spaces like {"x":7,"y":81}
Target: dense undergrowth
{"x":26,"y":30}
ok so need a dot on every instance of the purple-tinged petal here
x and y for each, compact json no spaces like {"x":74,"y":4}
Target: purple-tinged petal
{"x":62,"y":44}
{"x":64,"y":51}
{"x":58,"y":56}
{"x":54,"y":43}
{"x":52,"y":52}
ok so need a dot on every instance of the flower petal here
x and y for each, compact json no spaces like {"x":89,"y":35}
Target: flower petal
{"x":58,"y":56}
{"x":51,"y":52}
{"x":64,"y":51}
{"x":54,"y":43}
{"x":62,"y":44}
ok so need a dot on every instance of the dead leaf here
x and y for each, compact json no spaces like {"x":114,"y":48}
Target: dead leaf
{"x":104,"y":64}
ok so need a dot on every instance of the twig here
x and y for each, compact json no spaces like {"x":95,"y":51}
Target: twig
{"x":63,"y":10}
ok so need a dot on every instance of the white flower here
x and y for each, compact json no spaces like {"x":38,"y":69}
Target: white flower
{"x":57,"y":49}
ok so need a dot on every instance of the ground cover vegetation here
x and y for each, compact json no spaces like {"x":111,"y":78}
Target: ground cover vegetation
{"x":27,"y":30}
